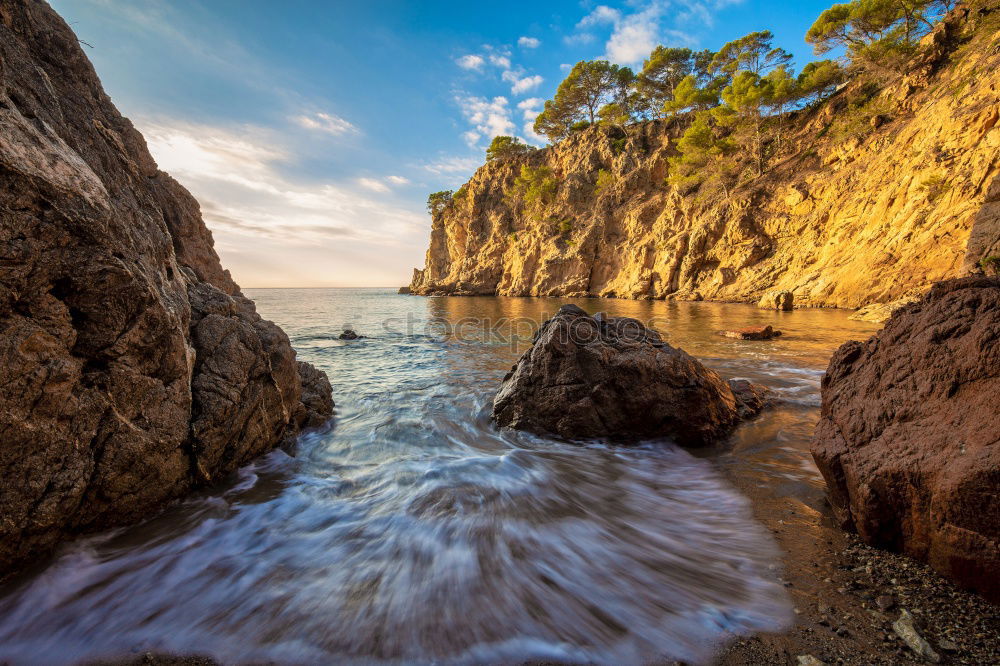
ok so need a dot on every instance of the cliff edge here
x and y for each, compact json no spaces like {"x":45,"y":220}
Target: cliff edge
{"x":871,"y":196}
{"x":132,"y":369}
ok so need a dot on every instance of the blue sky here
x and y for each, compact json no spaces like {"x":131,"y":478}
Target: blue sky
{"x":311,"y":132}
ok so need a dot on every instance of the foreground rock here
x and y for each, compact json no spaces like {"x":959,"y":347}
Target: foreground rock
{"x":614,"y":378}
{"x":132,"y":369}
{"x":909,"y":437}
{"x":752,"y":333}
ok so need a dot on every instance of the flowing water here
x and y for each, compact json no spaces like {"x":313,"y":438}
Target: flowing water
{"x":413,"y":531}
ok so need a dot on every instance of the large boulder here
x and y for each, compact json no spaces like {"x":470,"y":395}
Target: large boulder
{"x":777,"y":300}
{"x":909,"y":436}
{"x":132,"y":368}
{"x":613,"y":378}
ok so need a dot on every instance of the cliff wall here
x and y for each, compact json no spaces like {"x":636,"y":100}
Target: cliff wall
{"x":862,"y":203}
{"x":132,"y":369}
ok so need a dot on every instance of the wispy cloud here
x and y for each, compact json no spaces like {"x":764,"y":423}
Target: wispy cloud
{"x":237,"y":176}
{"x":529,"y":42}
{"x":325,"y":122}
{"x":452,"y":165}
{"x":398,"y":180}
{"x":521,"y":83}
{"x":470,"y":61}
{"x":601,"y":14}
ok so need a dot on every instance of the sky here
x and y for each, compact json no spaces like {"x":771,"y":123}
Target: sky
{"x":311,"y":132}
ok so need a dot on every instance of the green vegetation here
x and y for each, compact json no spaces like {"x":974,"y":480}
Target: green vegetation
{"x":589,"y":87}
{"x":605,"y":181}
{"x":878,"y":35}
{"x":704,"y":158}
{"x":564,"y":226}
{"x":935,"y":186}
{"x":506,"y":146}
{"x":438,"y":201}
{"x":536,"y":185}
{"x":990,"y":265}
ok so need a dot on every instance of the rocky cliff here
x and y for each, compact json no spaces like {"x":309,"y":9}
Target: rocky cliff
{"x":870,"y":197}
{"x":132,"y":369}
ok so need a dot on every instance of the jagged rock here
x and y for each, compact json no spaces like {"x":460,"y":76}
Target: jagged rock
{"x":905,"y":629}
{"x":752,"y":333}
{"x":348,"y":334}
{"x":808,"y":660}
{"x":611,"y":377}
{"x":880,"y":312}
{"x":909,"y":435}
{"x":777,"y":300}
{"x":864,"y":230}
{"x":132,"y":369}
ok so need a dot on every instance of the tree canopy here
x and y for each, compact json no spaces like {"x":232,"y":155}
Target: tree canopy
{"x":506,"y":146}
{"x":590,"y":86}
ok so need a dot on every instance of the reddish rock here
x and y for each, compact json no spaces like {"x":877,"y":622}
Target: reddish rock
{"x":132,"y":369}
{"x":909,"y":437}
{"x":614,"y":378}
{"x":752,"y":333}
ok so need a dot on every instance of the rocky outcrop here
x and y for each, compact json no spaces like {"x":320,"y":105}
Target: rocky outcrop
{"x":613,"y":378}
{"x":777,"y":300}
{"x":752,"y":333}
{"x":132,"y":369}
{"x":850,"y":212}
{"x":909,"y":436}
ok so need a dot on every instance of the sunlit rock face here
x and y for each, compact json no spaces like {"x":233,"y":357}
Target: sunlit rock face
{"x":845,"y":221}
{"x":133,"y":369}
{"x":909,"y":438}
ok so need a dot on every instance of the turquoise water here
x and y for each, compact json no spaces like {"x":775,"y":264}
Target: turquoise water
{"x":412,"y":531}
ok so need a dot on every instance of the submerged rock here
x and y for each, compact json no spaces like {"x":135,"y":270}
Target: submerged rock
{"x":909,"y":435}
{"x":133,"y":368}
{"x":777,"y":300}
{"x":349,"y":334}
{"x":611,"y":377}
{"x":752,"y":333}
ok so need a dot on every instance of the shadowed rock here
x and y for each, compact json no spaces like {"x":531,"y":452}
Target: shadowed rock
{"x":777,"y":300}
{"x":752,"y":333}
{"x":909,"y":436}
{"x":132,"y":368}
{"x":611,"y":377}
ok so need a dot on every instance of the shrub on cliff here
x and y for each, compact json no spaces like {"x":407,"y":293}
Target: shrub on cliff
{"x":536,"y":185}
{"x":703,"y":158}
{"x":438,"y":201}
{"x":506,"y":146}
{"x":589,"y":87}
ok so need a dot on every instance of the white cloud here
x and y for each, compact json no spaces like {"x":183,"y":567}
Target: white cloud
{"x":500,"y":60}
{"x":398,"y":180}
{"x":531,"y":107}
{"x":530,"y":103}
{"x":519,"y":83}
{"x":450,"y":165}
{"x":473,"y":62}
{"x":578,"y":38}
{"x":634,"y":36}
{"x":565,"y":67}
{"x":489,"y":117}
{"x":531,"y":136}
{"x":325,"y":122}
{"x":470,"y":138}
{"x":373,"y":184}
{"x":529,"y":42}
{"x":237,"y":177}
{"x":602,"y":14}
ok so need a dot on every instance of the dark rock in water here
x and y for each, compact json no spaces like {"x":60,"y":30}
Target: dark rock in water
{"x":909,"y":436}
{"x":752,"y":333}
{"x":404,"y":290}
{"x":133,"y":369}
{"x":751,"y":399}
{"x":348,"y":334}
{"x":612,"y":377}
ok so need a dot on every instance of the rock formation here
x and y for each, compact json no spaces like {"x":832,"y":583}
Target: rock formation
{"x":752,"y":333}
{"x":850,"y":212}
{"x":909,"y":436}
{"x":613,"y":378}
{"x":133,"y":369}
{"x":777,"y":300}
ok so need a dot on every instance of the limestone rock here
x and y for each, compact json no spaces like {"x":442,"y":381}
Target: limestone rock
{"x":777,"y":300}
{"x":880,"y":312}
{"x":865,"y":229}
{"x":613,"y":378}
{"x":909,"y":434}
{"x":906,"y":630}
{"x":132,"y":369}
{"x":752,"y":333}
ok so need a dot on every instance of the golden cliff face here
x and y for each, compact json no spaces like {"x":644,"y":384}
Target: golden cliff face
{"x":861,"y":206}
